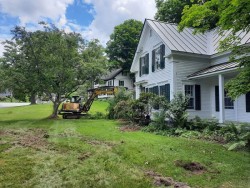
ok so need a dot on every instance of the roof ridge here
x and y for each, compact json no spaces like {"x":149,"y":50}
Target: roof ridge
{"x":161,"y":21}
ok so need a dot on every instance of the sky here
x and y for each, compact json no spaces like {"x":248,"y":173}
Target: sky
{"x":94,"y":19}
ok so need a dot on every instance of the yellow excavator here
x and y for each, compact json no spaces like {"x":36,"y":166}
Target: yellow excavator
{"x":74,"y":109}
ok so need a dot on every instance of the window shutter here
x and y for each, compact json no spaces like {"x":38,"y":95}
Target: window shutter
{"x":162,"y":56}
{"x":147,"y":64}
{"x":140,"y":67}
{"x":153,"y":60}
{"x":248,"y":102}
{"x":167,"y":86}
{"x":217,"y":107}
{"x":197,"y":97}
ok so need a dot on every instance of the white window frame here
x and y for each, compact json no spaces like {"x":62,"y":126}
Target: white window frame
{"x":121,"y":81}
{"x":157,"y":58}
{"x":228,"y":102}
{"x":191,"y":94}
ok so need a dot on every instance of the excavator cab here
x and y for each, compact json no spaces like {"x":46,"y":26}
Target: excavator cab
{"x":74,"y":108}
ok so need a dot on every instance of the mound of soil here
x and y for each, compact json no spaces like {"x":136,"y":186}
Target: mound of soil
{"x":160,"y":180}
{"x":84,"y":156}
{"x":194,"y":167}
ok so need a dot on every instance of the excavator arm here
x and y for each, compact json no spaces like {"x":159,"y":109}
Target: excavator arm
{"x":109,"y":90}
{"x":76,"y":110}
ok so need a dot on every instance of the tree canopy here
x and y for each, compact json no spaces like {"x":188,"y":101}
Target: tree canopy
{"x":230,"y":15}
{"x":48,"y":61}
{"x":123,"y":43}
{"x":171,"y":10}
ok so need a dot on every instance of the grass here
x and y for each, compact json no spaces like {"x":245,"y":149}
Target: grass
{"x":37,"y":152}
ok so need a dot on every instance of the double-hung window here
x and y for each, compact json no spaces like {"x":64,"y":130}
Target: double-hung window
{"x":144,"y":65}
{"x":121,"y":83}
{"x":189,"y":91}
{"x":229,"y":103}
{"x":194,"y":94}
{"x":158,"y":60}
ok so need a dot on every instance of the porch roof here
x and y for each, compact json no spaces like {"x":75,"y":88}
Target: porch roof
{"x":224,"y":67}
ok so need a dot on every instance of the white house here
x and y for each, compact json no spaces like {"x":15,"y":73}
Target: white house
{"x":167,"y":62}
{"x":6,"y":93}
{"x":117,"y":77}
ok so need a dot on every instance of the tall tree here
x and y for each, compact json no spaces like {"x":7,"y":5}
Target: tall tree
{"x":123,"y":42}
{"x":48,"y":61}
{"x":230,"y":15}
{"x":171,"y":10}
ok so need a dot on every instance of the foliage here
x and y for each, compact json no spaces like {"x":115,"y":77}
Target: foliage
{"x":121,"y":95}
{"x":230,"y":15}
{"x":240,"y":137}
{"x":171,"y":10}
{"x":160,"y":120}
{"x":123,"y":42}
{"x":122,"y":110}
{"x":199,"y":124}
{"x":48,"y":61}
{"x":176,"y":112}
{"x":137,"y":111}
{"x":241,"y":83}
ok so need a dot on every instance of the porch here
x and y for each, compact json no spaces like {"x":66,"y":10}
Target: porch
{"x":218,"y":105}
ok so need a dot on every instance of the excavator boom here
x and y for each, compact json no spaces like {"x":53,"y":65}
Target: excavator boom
{"x":76,"y":109}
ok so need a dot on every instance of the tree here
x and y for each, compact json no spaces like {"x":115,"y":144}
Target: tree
{"x":171,"y":10}
{"x":230,"y":15}
{"x":47,"y":62}
{"x":123,"y":43}
{"x":93,"y":56}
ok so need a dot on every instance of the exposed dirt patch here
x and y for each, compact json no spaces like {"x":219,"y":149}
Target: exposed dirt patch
{"x":130,"y":128}
{"x":84,"y":156}
{"x":160,"y":180}
{"x":194,"y":167}
{"x":2,"y":132}
{"x":34,"y":138}
{"x":98,"y":142}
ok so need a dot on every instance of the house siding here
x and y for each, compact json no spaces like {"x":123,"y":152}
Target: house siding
{"x":158,"y":77}
{"x":127,"y":81}
{"x":180,"y":63}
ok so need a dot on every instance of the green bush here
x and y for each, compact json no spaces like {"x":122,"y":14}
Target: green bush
{"x":176,"y":112}
{"x":159,"y":120}
{"x":121,"y":95}
{"x":199,"y":124}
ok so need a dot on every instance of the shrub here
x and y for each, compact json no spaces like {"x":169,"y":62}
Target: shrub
{"x":122,"y":110}
{"x":200,"y":124}
{"x":96,"y":115}
{"x":160,"y":120}
{"x":176,"y":112}
{"x":122,"y":95}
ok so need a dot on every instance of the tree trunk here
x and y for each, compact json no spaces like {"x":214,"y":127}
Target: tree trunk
{"x":54,"y":114}
{"x":33,"y":99}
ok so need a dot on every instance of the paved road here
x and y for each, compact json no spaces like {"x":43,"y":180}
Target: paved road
{"x":12,"y":104}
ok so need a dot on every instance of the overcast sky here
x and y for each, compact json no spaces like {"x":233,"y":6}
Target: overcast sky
{"x":91,"y":18}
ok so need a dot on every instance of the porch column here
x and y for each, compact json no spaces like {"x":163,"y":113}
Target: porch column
{"x":221,"y":99}
{"x":137,"y":91}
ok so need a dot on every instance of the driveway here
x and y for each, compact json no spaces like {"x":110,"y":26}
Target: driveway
{"x":12,"y":104}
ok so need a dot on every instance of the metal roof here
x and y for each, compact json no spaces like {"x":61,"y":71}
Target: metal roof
{"x":186,"y":41}
{"x":214,"y":69}
{"x":180,"y":41}
{"x":112,"y":74}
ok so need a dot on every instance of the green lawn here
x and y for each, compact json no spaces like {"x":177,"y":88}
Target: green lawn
{"x":37,"y":152}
